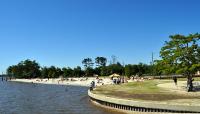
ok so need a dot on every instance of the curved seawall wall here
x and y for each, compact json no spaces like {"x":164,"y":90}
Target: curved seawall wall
{"x":141,"y":106}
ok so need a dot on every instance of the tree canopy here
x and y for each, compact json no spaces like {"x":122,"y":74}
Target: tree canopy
{"x":101,"y":61}
{"x":25,"y":69}
{"x":87,"y":62}
{"x":181,"y":55}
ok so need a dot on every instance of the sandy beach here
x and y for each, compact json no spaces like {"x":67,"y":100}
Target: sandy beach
{"x":86,"y":81}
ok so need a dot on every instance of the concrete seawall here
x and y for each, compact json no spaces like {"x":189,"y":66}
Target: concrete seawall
{"x":142,"y":106}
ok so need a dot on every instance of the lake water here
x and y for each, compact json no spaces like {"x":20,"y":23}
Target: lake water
{"x":26,"y":98}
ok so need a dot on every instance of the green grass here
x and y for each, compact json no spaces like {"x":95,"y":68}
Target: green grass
{"x":135,"y":87}
{"x":147,"y":90}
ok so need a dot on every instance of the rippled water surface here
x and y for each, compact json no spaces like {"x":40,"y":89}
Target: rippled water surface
{"x":25,"y":98}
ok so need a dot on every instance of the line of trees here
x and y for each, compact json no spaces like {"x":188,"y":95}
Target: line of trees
{"x":32,"y":69}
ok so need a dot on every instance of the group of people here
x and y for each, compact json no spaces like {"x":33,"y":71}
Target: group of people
{"x":5,"y":79}
{"x":138,"y":79}
{"x":117,"y":81}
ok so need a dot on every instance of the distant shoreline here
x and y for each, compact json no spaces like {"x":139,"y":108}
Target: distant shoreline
{"x":71,"y":81}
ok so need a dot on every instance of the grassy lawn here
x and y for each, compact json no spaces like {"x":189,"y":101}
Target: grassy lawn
{"x":147,"y":90}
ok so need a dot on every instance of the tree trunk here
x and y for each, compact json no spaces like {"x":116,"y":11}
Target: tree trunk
{"x":189,"y":83}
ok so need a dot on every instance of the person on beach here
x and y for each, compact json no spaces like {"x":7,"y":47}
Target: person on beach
{"x":175,"y":80}
{"x":92,"y":85}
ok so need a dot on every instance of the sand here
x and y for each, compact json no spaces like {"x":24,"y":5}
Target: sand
{"x":180,"y":87}
{"x":70,"y":81}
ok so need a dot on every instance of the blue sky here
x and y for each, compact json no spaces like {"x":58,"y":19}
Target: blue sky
{"x":63,"y":32}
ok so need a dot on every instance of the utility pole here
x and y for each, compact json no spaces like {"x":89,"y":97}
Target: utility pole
{"x":152,"y":58}
{"x":114,"y":59}
{"x":152,"y":62}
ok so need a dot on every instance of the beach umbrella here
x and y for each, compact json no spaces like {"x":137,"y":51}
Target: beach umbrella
{"x":114,"y":75}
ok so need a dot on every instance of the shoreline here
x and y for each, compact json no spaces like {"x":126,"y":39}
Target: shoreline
{"x":86,"y":81}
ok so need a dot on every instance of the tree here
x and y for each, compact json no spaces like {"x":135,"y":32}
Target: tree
{"x":25,"y":69}
{"x":158,"y":68}
{"x":115,"y":68}
{"x":101,"y":66}
{"x":128,"y":70}
{"x":87,"y":62}
{"x":10,"y":71}
{"x":14,"y":71}
{"x":141,"y":69}
{"x":181,"y":55}
{"x":44,"y":72}
{"x":97,"y":71}
{"x":104,"y":71}
{"x":89,"y":71}
{"x":54,"y":72}
{"x":59,"y":72}
{"x":77,"y":71}
{"x":67,"y":72}
{"x":135,"y":69}
{"x":101,"y":61}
